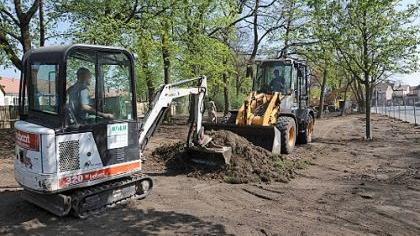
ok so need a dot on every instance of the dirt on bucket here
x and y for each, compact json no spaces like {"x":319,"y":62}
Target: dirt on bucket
{"x":249,"y":163}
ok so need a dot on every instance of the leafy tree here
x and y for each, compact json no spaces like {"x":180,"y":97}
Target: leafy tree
{"x":18,"y":29}
{"x":372,"y":38}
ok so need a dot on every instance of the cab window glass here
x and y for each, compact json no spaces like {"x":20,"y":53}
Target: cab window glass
{"x":302,"y":81}
{"x":81,"y":88}
{"x":44,"y":87}
{"x":117,"y":96}
{"x":273,"y":77}
{"x":98,"y":88}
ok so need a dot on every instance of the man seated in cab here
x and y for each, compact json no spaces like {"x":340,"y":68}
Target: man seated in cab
{"x":79,"y":99}
{"x":277,"y":83}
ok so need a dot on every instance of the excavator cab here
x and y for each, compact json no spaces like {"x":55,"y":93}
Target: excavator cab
{"x":83,"y":98}
{"x":102,"y":77}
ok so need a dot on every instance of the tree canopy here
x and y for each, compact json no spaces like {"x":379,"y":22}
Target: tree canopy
{"x":352,"y":44}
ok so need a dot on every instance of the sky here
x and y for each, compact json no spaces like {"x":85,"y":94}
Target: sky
{"x":410,"y":79}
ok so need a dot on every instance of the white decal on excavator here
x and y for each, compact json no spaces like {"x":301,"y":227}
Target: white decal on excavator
{"x":117,"y":135}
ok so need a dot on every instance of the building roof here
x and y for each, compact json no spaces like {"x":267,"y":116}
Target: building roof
{"x":9,"y":85}
{"x":382,"y":87}
{"x":402,"y":87}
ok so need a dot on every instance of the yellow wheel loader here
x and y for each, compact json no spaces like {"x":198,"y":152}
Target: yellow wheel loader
{"x":276,"y":115}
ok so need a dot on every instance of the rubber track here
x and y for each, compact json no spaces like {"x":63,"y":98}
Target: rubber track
{"x":81,"y":194}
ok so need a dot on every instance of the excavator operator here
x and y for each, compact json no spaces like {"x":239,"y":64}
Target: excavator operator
{"x":79,"y":99}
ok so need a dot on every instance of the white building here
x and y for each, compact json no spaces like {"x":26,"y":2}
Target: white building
{"x":382,"y":94}
{"x":416,"y":91}
{"x":9,"y":91}
{"x":401,"y":90}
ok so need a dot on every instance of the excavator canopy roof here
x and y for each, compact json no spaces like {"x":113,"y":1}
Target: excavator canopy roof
{"x":58,"y":53}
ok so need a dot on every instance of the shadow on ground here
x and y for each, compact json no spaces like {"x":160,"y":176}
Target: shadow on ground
{"x":18,"y":217}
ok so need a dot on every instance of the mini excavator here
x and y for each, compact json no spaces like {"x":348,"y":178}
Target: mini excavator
{"x":79,"y":144}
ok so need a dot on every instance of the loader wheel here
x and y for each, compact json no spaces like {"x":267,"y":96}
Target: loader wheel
{"x":287,"y":127}
{"x":306,"y":136}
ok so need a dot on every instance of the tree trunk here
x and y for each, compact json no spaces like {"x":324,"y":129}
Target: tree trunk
{"x":26,"y":37}
{"x":148,"y":76}
{"x":322,"y":95}
{"x":343,"y":109}
{"x":367,"y":108}
{"x":366,"y":74}
{"x":249,"y":68}
{"x":166,"y":54}
{"x":225,"y":93}
{"x":361,"y":102}
{"x":41,"y":24}
{"x":284,"y":51}
{"x":238,"y":84}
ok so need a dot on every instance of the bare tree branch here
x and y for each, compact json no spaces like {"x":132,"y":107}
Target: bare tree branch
{"x":8,"y":49}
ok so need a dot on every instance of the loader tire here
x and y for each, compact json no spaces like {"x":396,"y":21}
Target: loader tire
{"x":306,"y":136}
{"x":287,"y":128}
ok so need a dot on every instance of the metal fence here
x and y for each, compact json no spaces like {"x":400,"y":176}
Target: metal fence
{"x":406,"y":113}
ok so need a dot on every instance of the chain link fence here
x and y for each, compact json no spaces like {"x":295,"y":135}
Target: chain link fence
{"x":406,"y":113}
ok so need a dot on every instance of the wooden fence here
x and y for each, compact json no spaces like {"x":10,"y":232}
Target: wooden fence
{"x":8,"y":116}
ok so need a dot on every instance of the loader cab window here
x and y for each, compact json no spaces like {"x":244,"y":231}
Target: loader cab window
{"x":43,"y":89}
{"x":98,"y":88}
{"x":301,"y":85}
{"x":273,"y":77}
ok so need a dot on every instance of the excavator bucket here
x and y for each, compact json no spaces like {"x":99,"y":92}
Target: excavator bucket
{"x":210,"y":156}
{"x":267,"y":137}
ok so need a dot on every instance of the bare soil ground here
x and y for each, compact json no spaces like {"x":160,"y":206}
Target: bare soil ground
{"x":351,"y":187}
{"x":247,"y":164}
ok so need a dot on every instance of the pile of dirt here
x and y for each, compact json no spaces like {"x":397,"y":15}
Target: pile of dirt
{"x":249,"y":163}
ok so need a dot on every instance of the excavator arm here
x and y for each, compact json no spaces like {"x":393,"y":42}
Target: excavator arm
{"x":197,"y":143}
{"x":163,"y":98}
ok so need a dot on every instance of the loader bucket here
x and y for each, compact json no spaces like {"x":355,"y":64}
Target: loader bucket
{"x":267,"y":137}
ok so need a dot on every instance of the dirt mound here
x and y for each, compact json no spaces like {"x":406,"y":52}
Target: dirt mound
{"x":249,"y":163}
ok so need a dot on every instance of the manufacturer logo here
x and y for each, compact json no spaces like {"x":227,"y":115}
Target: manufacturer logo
{"x":27,"y":140}
{"x":98,"y":174}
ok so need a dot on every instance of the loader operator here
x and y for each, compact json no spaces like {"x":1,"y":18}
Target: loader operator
{"x":79,"y":99}
{"x":277,"y":83}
